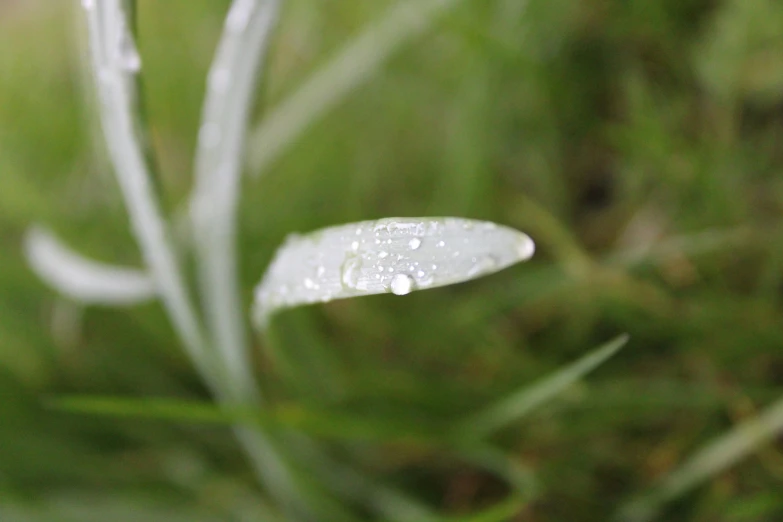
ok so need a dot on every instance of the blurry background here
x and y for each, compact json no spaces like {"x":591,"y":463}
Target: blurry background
{"x":639,"y":142}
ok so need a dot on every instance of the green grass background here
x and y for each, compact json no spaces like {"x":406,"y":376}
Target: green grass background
{"x":596,"y":126}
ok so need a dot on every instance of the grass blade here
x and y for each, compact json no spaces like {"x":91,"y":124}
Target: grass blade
{"x":521,"y":403}
{"x":325,"y":88}
{"x":713,"y":458}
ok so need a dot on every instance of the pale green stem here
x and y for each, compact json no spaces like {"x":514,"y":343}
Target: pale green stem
{"x":114,"y":61}
{"x":232,"y":78}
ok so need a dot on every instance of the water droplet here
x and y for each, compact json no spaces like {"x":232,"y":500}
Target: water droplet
{"x":129,"y":59}
{"x":355,"y":246}
{"x":401,"y":284}
{"x":390,"y":269}
{"x":125,"y":53}
{"x":209,"y":135}
{"x":434,"y":267}
{"x":382,"y":254}
{"x":423,"y":279}
{"x":441,"y":244}
{"x":350,"y":272}
{"x":482,"y":265}
{"x":309,"y":283}
{"x":88,"y":4}
{"x":319,"y":272}
{"x":414,"y":243}
{"x":526,"y":248}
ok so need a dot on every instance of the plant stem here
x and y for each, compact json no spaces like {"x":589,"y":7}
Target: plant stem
{"x":232,"y":78}
{"x":114,"y":62}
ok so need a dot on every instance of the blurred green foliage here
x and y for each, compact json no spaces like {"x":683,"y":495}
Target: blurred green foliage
{"x":640,"y":143}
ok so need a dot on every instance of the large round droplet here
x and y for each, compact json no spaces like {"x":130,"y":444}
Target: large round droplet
{"x":350,"y":272}
{"x":414,"y":243}
{"x":401,"y":284}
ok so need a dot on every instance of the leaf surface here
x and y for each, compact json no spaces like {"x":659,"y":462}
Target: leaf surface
{"x":397,"y":255}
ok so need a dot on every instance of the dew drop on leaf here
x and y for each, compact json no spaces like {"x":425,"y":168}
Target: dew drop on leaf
{"x":401,"y":284}
{"x":349,"y":274}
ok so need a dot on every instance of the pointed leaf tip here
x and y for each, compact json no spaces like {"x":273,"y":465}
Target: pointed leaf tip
{"x":397,"y":255}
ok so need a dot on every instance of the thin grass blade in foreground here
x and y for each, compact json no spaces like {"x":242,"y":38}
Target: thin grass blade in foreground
{"x":397,"y":255}
{"x":519,"y":404}
{"x":326,"y":87}
{"x":715,"y":457}
{"x":83,"y":279}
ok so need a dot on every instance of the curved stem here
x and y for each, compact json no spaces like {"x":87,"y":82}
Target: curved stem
{"x":115,"y":61}
{"x":232,"y":78}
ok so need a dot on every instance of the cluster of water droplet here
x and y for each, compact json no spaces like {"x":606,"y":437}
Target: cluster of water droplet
{"x":390,"y":255}
{"x":379,"y":259}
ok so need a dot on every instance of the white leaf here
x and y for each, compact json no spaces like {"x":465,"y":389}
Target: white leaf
{"x":395,"y":255}
{"x":83,"y":279}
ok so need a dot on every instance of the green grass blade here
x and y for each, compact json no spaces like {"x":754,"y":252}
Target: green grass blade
{"x":500,"y":512}
{"x":715,"y":457}
{"x":505,"y":466}
{"x":161,"y":409}
{"x":521,"y":403}
{"x":326,"y":424}
{"x":326,"y":87}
